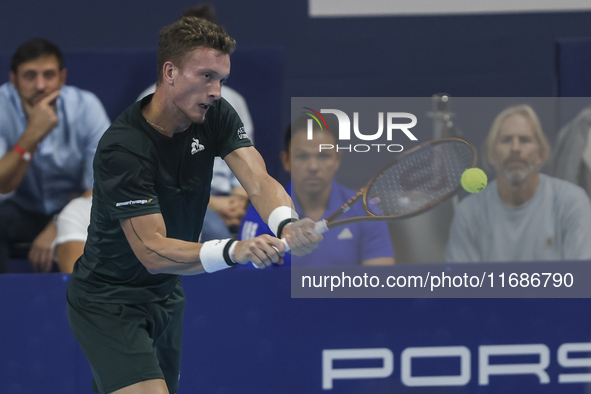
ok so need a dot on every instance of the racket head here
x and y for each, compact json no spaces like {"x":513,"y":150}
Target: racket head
{"x":418,"y":179}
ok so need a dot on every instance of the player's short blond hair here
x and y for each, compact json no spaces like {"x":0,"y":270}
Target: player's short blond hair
{"x":526,"y":111}
{"x":185,"y":35}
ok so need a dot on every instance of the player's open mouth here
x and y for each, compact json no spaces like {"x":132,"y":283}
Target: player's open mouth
{"x":205,"y":106}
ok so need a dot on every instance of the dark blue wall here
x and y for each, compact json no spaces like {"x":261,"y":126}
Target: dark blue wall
{"x":244,"y":334}
{"x":489,"y":55}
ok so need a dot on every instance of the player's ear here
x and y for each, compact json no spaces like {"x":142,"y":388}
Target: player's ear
{"x":169,"y":73}
{"x":286,"y":161}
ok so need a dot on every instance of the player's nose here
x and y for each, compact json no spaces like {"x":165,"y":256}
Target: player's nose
{"x":216,"y":90}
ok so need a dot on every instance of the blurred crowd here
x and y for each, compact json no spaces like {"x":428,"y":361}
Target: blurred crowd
{"x":50,"y":130}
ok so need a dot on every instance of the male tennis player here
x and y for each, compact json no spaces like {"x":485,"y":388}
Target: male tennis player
{"x":152,"y":174}
{"x":316,"y":195}
{"x":522,"y":215}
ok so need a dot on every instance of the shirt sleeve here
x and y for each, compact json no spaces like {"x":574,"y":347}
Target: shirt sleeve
{"x":230,"y":130}
{"x":127,"y":183}
{"x":375,"y":241}
{"x":238,"y":102}
{"x":96,"y":122}
{"x":462,"y":246}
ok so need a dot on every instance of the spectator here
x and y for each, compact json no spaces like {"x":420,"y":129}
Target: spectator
{"x":523,"y":215}
{"x":228,"y":200}
{"x":316,"y":195}
{"x":572,"y":154}
{"x":48,"y":136}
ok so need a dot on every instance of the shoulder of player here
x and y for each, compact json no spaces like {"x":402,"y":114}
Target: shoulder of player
{"x":122,"y":135}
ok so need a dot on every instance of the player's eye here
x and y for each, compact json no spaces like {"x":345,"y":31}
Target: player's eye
{"x":207,"y":76}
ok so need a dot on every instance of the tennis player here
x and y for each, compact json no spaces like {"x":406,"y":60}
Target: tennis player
{"x":152,"y":173}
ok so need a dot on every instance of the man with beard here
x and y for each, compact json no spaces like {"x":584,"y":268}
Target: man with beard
{"x":522,"y":215}
{"x":48,"y":135}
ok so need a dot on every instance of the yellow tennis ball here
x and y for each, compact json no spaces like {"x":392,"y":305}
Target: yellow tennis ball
{"x":474,"y":180}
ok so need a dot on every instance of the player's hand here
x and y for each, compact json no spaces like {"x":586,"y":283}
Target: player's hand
{"x":41,"y":253}
{"x":41,"y":117}
{"x":301,"y":237}
{"x":262,"y":251}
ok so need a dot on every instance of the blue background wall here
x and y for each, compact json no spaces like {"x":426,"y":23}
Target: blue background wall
{"x":489,"y":55}
{"x":243,"y":334}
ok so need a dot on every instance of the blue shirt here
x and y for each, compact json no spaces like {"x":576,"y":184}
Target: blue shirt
{"x":62,"y":164}
{"x":343,"y":245}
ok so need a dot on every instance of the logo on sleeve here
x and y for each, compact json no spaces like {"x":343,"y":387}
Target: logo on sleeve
{"x":196,"y":146}
{"x":133,"y":202}
{"x":242,"y":134}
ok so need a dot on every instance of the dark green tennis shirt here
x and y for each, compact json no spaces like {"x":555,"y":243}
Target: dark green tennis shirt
{"x":138,"y":171}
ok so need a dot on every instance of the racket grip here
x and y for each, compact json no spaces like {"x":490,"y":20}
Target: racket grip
{"x":319,"y":228}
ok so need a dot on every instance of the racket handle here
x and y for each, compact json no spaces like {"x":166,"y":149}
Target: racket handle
{"x":319,"y":228}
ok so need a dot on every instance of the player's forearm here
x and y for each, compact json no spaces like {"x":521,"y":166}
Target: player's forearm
{"x":12,"y":170}
{"x":267,"y":196}
{"x":170,"y":256}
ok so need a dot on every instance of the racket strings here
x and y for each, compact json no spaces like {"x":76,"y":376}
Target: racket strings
{"x":420,"y":178}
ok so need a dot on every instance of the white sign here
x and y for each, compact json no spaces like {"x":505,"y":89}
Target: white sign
{"x":354,"y":8}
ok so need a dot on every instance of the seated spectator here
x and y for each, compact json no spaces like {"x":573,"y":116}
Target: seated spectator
{"x":227,"y":204}
{"x":572,"y":154}
{"x":523,"y":215}
{"x":48,"y":136}
{"x":316,"y":195}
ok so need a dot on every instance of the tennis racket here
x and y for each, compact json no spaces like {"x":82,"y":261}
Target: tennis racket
{"x":414,"y":182}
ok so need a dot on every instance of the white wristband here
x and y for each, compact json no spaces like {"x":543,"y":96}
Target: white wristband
{"x":215,"y":254}
{"x":279,"y":215}
{"x":231,"y":251}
